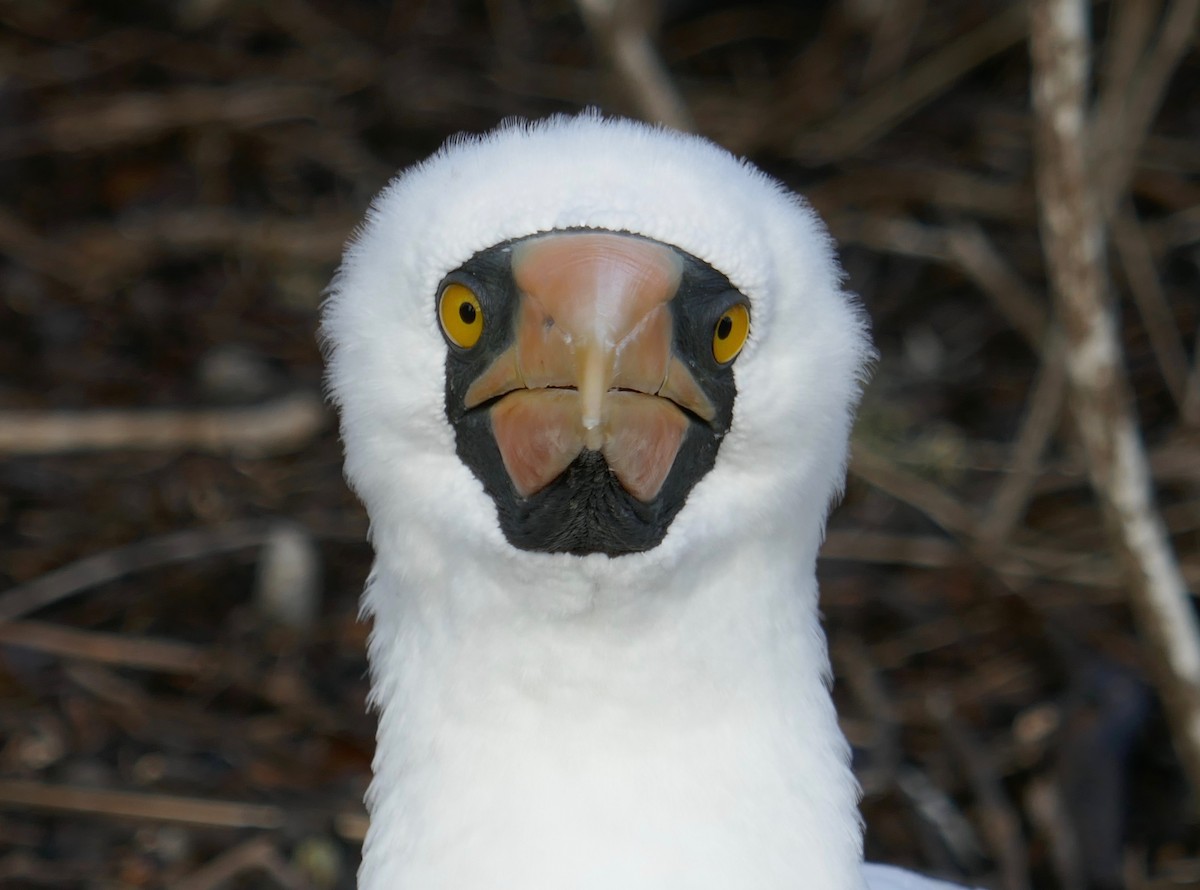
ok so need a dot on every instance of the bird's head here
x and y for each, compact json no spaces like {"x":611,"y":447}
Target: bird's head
{"x":592,"y":337}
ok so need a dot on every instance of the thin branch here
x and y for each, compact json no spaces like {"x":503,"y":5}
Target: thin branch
{"x":930,"y":499}
{"x":975,"y":254}
{"x":880,"y":110}
{"x":1043,"y":803}
{"x":106,"y":648}
{"x":853,"y":661}
{"x":23,"y":795}
{"x":872,"y":547}
{"x":1128,"y":107}
{"x":19,"y":241}
{"x":896,"y":24}
{"x":965,"y":247}
{"x":1191,"y":397}
{"x":100,"y":568}
{"x":1041,"y":418}
{"x":1152,"y":303}
{"x":1001,"y":824}
{"x":276,"y":427}
{"x":90,"y":124}
{"x":948,"y":189}
{"x":257,"y":854}
{"x":93,"y":258}
{"x":1130,"y":28}
{"x":941,"y":813}
{"x":1073,"y":238}
{"x":138,"y":805}
{"x":624,"y":30}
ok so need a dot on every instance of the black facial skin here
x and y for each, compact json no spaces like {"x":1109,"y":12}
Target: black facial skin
{"x":585,"y":510}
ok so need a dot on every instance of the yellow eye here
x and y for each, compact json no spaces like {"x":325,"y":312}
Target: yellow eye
{"x":461,"y":315}
{"x":729,"y":335}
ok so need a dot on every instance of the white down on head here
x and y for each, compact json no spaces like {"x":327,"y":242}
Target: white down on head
{"x":651,"y":720}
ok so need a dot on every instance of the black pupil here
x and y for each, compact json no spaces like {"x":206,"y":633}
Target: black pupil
{"x":724,"y":327}
{"x":466,"y":312}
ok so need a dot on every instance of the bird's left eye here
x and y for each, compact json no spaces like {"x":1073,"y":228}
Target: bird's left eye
{"x":461,"y":315}
{"x":730,"y":332}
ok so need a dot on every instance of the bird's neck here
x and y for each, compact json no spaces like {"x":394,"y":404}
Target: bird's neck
{"x":676,"y":735}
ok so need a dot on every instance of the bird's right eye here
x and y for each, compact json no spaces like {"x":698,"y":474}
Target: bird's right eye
{"x":730,"y":332}
{"x":461,"y":315}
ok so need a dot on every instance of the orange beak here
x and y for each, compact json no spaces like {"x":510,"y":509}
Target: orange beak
{"x":591,"y":365}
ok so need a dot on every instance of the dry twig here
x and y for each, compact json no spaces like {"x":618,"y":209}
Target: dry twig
{"x":100,"y":568}
{"x":275,"y":427}
{"x":1130,"y":103}
{"x":106,"y":648}
{"x":137,"y":805}
{"x":1043,"y":802}
{"x":623,"y":28}
{"x":1073,"y":237}
{"x":853,"y":662}
{"x":257,"y":854}
{"x":1147,"y":290}
{"x":93,"y":124}
{"x":1041,"y":417}
{"x":964,"y":247}
{"x":941,"y":814}
{"x":1001,"y":824}
{"x":940,"y":506}
{"x":881,"y":109}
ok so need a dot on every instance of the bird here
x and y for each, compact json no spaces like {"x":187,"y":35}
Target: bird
{"x":596,"y":380}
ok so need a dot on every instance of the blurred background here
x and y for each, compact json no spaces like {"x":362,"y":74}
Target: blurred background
{"x":182,"y":674}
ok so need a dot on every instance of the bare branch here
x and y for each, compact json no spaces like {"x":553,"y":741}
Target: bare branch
{"x":943,"y":508}
{"x":100,"y":568}
{"x":107,"y":648}
{"x":1152,"y":303}
{"x":257,"y":854}
{"x":1001,"y":825}
{"x":965,"y":247}
{"x":91,"y":124}
{"x":1128,"y":106}
{"x":881,"y":109}
{"x":136,"y":805}
{"x":1041,"y":418}
{"x":623,"y":29}
{"x":1072,"y":218}
{"x":274,"y":427}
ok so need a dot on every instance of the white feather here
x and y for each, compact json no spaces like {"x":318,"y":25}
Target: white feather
{"x":654,"y":720}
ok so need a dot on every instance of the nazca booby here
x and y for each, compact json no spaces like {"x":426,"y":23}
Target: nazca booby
{"x":596,"y":381}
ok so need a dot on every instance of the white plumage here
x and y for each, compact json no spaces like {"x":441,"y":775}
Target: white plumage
{"x":651,"y":720}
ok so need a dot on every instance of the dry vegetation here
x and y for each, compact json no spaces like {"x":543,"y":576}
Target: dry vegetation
{"x":181,"y":670}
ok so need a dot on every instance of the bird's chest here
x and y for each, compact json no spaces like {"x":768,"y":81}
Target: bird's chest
{"x":598,"y":804}
{"x":631,"y":754}
{"x":695,"y":792}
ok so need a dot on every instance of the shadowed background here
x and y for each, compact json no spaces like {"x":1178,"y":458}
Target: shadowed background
{"x":182,"y":675}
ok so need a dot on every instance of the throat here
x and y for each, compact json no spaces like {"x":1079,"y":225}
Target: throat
{"x":622,"y":750}
{"x":586,"y":510}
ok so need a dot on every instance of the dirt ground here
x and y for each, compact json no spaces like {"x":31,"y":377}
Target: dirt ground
{"x":182,"y":671}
